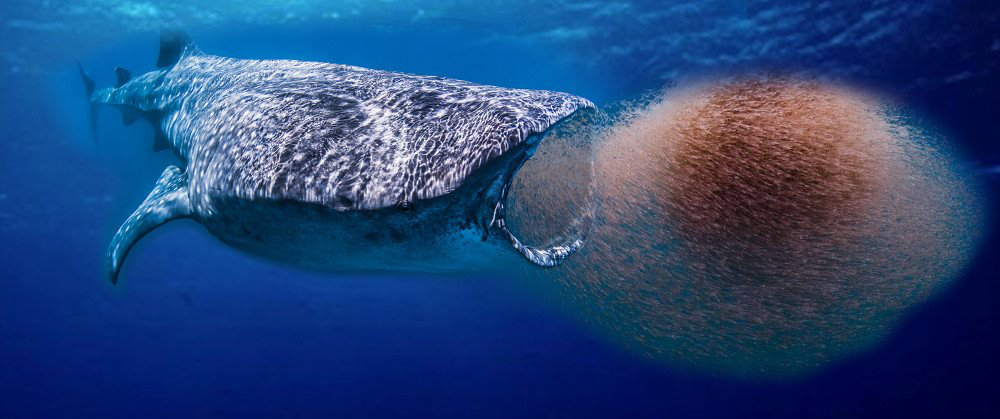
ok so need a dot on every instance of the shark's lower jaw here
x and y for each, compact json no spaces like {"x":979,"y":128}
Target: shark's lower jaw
{"x":491,"y":211}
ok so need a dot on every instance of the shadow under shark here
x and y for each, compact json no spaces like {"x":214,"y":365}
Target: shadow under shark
{"x":335,"y":167}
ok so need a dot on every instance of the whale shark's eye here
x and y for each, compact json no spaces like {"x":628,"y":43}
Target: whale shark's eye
{"x":405,"y":206}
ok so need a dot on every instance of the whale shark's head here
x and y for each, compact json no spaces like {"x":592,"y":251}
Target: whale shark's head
{"x":428,"y":152}
{"x":478,"y":204}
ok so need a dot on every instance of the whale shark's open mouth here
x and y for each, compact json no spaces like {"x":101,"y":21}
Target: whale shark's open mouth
{"x":493,"y":207}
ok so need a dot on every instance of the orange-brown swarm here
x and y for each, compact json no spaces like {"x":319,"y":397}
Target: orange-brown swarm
{"x":757,"y":225}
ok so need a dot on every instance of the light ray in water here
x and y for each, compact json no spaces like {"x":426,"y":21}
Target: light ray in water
{"x":758,"y":226}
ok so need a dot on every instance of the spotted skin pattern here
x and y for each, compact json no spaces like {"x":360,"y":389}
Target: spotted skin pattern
{"x":342,"y":137}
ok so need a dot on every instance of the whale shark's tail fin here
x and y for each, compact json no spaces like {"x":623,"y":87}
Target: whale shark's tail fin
{"x":88,"y":84}
{"x":174,"y":45}
{"x":129,"y":114}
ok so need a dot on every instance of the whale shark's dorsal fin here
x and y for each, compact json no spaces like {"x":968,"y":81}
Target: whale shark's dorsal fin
{"x":123,"y":76}
{"x":168,"y":201}
{"x":174,"y":44}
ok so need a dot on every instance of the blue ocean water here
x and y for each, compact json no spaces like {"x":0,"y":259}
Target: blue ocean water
{"x":199,"y":329}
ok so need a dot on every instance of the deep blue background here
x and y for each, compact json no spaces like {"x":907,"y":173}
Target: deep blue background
{"x":199,"y":329}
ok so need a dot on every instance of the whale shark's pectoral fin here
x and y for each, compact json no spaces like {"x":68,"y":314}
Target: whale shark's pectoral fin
{"x":168,"y":200}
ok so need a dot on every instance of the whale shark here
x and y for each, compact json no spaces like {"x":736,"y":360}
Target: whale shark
{"x":334,"y":166}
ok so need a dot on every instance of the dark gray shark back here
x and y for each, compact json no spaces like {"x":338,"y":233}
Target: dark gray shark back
{"x":280,"y":135}
{"x":347,"y":137}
